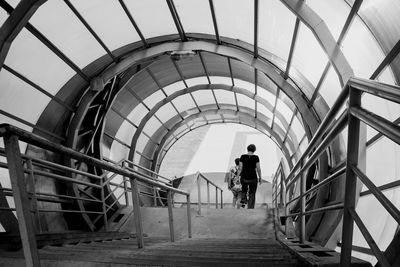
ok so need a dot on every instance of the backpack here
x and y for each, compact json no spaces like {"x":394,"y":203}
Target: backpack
{"x":235,"y":183}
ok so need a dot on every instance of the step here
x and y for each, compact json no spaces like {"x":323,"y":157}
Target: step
{"x":159,"y":252}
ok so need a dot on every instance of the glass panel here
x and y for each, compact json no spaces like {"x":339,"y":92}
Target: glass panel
{"x":225,"y":97}
{"x":384,"y":108}
{"x":221,"y":80}
{"x":152,"y":17}
{"x":118,"y":151}
{"x":284,"y":110}
{"x":3,"y":16}
{"x":263,"y":110}
{"x":21,"y":99}
{"x":152,"y":126}
{"x":172,"y":88}
{"x":141,"y":143}
{"x":4,"y":119}
{"x":188,"y":10}
{"x":297,"y":128}
{"x":387,"y":76}
{"x":276,"y":25}
{"x":126,"y":132}
{"x":76,"y":42}
{"x":362,"y":50}
{"x":308,"y":56}
{"x":330,"y":88}
{"x":50,"y":74}
{"x":333,"y":12}
{"x":382,"y":230}
{"x":203,"y":97}
{"x":13,"y":3}
{"x":137,"y":114}
{"x":382,"y":170}
{"x":196,"y":81}
{"x":245,"y":85}
{"x":266,"y":95}
{"x":235,"y":18}
{"x":279,"y":123}
{"x":154,"y":98}
{"x":166,"y":112}
{"x":183,"y":103}
{"x":122,"y":32}
{"x":245,"y":101}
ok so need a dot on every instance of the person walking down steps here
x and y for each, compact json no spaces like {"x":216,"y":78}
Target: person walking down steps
{"x":234,"y":184}
{"x":249,"y":167}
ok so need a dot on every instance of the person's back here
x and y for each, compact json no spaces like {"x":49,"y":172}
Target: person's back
{"x":234,"y":184}
{"x":249,"y":167}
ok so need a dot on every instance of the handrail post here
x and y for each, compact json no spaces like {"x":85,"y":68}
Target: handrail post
{"x":32,"y":190}
{"x":170,"y":216}
{"x":103,"y":204}
{"x":126,"y":191}
{"x":208,"y":194}
{"x":222,"y":202}
{"x":189,"y":216}
{"x":216,"y":197}
{"x":198,"y":194}
{"x":25,"y":222}
{"x":125,"y":185}
{"x":137,"y":213}
{"x":302,"y":206}
{"x":351,"y":179}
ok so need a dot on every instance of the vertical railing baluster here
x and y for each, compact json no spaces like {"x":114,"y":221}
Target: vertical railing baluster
{"x":351,"y":178}
{"x":137,"y":213}
{"x":103,"y":203}
{"x":302,"y":205}
{"x":32,"y":190}
{"x":208,"y":194}
{"x":170,"y":216}
{"x":189,"y":216}
{"x":124,"y":163}
{"x":222,"y":201}
{"x":198,"y":194}
{"x":216,"y":197}
{"x":21,"y":200}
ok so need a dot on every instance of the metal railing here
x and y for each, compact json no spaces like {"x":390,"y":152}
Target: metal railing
{"x":329,"y":129}
{"x":24,"y":170}
{"x":200,"y":177}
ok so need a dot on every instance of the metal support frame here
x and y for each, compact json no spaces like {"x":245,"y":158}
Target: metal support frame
{"x":137,"y":213}
{"x":198,"y":194}
{"x":170,"y":216}
{"x":351,"y":179}
{"x":21,"y":199}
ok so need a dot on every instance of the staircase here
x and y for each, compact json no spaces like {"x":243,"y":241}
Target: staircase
{"x":161,"y":252}
{"x":221,"y":237}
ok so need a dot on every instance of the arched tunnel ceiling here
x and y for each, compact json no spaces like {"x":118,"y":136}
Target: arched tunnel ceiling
{"x":263,"y":69}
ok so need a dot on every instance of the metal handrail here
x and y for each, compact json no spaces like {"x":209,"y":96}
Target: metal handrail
{"x":328,"y":130}
{"x":147,"y":170}
{"x":12,"y":135}
{"x":199,"y":201}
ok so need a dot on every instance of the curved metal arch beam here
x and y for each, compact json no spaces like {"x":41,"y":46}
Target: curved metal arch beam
{"x":157,"y":165}
{"x":245,"y":113}
{"x":245,"y":56}
{"x":248,"y":120}
{"x":176,"y":94}
{"x":321,"y":32}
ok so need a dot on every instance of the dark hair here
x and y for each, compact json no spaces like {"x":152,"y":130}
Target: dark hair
{"x":237,"y":161}
{"x":251,"y":148}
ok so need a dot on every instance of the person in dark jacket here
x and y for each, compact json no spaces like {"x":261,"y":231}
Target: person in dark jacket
{"x":249,"y":167}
